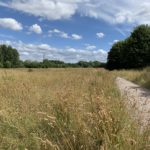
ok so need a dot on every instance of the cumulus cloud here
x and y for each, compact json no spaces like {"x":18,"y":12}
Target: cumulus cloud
{"x":63,"y":34}
{"x":35,"y":28}
{"x":68,"y":54}
{"x":10,"y":23}
{"x":100,"y":35}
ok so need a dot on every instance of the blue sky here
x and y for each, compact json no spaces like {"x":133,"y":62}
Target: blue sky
{"x":69,"y":30}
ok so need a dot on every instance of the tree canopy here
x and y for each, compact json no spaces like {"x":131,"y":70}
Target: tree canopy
{"x":133,"y":52}
{"x":9,"y":57}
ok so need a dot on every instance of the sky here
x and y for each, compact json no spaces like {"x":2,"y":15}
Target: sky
{"x":69,"y":30}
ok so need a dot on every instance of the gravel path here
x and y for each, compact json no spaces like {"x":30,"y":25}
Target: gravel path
{"x":137,"y":101}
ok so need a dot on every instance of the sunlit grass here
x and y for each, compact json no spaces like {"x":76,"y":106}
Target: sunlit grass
{"x":66,"y":109}
{"x":141,"y":77}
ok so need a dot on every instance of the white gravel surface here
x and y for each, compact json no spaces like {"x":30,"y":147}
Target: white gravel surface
{"x":137,"y":101}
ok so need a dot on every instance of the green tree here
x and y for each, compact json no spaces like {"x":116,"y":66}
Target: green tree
{"x":7,"y":64}
{"x":114,"y":60}
{"x":1,"y":65}
{"x":83,"y":64}
{"x":133,"y":52}
{"x":140,"y":45}
{"x":9,"y":55}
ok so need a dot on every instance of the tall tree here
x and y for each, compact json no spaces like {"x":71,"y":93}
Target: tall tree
{"x":114,"y":60}
{"x":9,"y":55}
{"x":133,"y":52}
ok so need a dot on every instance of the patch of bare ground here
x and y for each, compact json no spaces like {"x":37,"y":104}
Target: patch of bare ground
{"x":137,"y":101}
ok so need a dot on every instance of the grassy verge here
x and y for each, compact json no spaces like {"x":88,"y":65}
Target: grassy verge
{"x":141,"y":77}
{"x":144,"y":78}
{"x":65,"y":109}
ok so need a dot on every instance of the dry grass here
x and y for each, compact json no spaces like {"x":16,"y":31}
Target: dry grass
{"x":65,"y":109}
{"x":141,"y":77}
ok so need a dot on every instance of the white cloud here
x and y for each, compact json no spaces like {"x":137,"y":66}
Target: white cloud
{"x":117,"y":11}
{"x":76,"y":37}
{"x":58,"y":33}
{"x":10,"y":23}
{"x":49,"y":9}
{"x":114,"y":41}
{"x":112,"y":11}
{"x":90,"y":47}
{"x":68,"y":54}
{"x":63,"y":34}
{"x":35,"y":28}
{"x":100,"y":35}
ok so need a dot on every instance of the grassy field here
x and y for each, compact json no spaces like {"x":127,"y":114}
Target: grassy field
{"x":141,"y":77}
{"x":66,"y":109}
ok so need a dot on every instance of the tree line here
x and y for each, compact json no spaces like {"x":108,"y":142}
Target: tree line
{"x":60,"y":64}
{"x":133,"y":52}
{"x":9,"y":58}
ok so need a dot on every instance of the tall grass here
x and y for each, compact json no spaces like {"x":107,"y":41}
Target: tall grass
{"x":141,"y":77}
{"x":144,"y":78}
{"x":65,"y":109}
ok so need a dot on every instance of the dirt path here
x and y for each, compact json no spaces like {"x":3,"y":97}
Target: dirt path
{"x":137,"y":101}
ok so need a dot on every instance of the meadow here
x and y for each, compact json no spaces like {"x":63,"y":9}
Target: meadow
{"x":67,"y":109}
